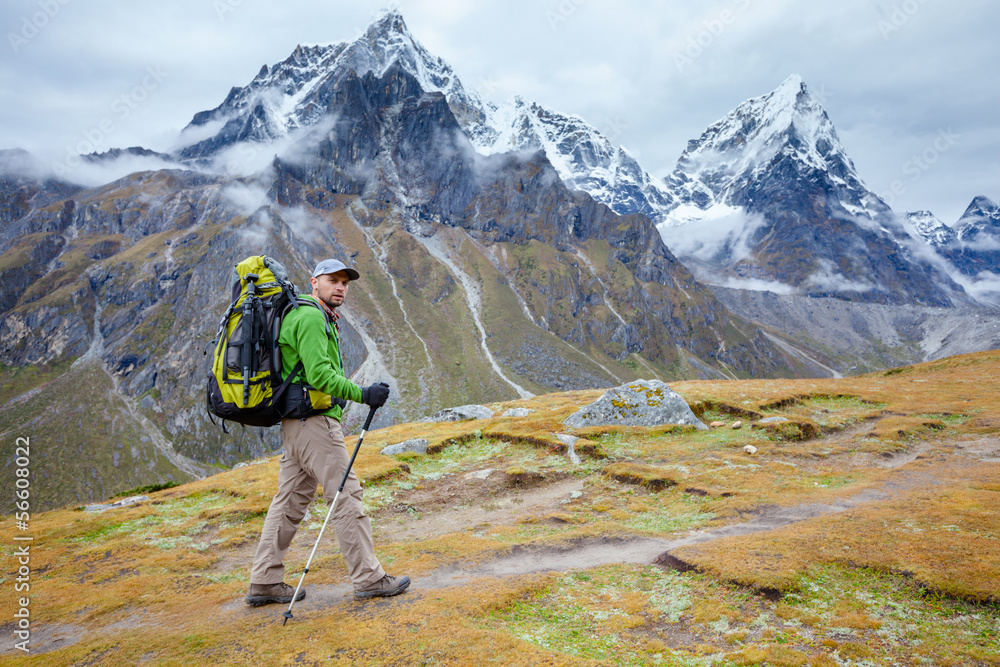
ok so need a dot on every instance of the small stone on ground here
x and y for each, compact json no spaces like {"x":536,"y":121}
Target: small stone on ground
{"x":460,"y":413}
{"x":418,"y":445}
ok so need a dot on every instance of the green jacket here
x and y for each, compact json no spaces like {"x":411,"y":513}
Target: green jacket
{"x":304,"y":338}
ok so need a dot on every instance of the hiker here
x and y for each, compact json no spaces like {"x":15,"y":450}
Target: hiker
{"x":315,"y":452}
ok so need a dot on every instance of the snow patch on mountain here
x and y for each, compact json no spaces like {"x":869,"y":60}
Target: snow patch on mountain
{"x":294,"y":94}
{"x":738,"y":149}
{"x":925,"y":225}
{"x":980,"y":224}
{"x":582,"y":156}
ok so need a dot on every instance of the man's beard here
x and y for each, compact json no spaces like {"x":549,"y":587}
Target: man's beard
{"x":329,"y":305}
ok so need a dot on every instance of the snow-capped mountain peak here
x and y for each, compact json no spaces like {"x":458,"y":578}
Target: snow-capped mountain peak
{"x":981,"y":219}
{"x":981,"y":206}
{"x":583,"y":157}
{"x":732,"y":151}
{"x":388,"y":40}
{"x":293,"y":93}
{"x":971,"y":247}
{"x":767,"y":198}
{"x":927,"y":226}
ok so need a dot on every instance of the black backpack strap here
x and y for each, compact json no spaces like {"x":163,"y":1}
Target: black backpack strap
{"x":277,"y":392}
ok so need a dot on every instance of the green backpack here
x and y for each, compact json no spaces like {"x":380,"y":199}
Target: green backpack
{"x":244,"y":384}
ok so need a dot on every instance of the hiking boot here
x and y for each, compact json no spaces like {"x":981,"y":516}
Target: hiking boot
{"x":385,"y":587}
{"x":261,"y":594}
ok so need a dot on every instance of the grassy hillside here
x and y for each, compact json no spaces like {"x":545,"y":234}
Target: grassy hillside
{"x":862,"y":531}
{"x":88,"y":441}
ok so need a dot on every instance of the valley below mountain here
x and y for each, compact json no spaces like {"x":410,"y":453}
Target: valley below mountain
{"x":506,"y":251}
{"x":849,"y":338}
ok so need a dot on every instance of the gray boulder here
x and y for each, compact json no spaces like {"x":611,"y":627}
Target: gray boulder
{"x":418,"y":445}
{"x":517,"y":412}
{"x":639,"y":403}
{"x":460,"y":413}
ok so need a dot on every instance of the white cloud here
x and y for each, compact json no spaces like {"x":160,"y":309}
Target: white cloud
{"x":303,"y":222}
{"x":247,"y":197}
{"x":827,"y":278}
{"x":192,"y":134}
{"x":251,"y":199}
{"x":14,"y":163}
{"x":755,"y":284}
{"x":982,"y":242}
{"x":92,"y":173}
{"x":720,"y":233}
{"x":984,"y":288}
{"x":257,"y":229}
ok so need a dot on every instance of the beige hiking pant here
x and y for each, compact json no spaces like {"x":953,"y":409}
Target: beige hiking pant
{"x":315,"y":453}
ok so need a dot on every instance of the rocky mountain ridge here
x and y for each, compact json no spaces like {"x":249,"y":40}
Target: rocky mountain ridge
{"x":291,"y":95}
{"x":769,"y":199}
{"x":488,"y":274}
{"x":484,"y":278}
{"x":829,"y":236}
{"x":295,"y":93}
{"x":970,"y":247}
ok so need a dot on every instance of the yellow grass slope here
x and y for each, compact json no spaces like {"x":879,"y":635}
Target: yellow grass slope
{"x":903,"y":572}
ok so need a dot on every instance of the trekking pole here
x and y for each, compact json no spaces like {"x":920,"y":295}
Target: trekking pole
{"x":368,"y":422}
{"x":246,"y":349}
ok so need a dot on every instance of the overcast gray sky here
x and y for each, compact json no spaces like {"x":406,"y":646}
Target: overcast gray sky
{"x":911,"y":85}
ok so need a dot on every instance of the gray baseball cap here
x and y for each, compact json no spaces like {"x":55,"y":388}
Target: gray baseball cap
{"x":334,"y":265}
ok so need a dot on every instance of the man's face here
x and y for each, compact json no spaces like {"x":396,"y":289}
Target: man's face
{"x":331,"y":288}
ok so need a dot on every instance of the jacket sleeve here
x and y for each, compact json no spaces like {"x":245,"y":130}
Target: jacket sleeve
{"x":312,"y":345}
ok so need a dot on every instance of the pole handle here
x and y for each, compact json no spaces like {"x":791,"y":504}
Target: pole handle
{"x":368,"y":421}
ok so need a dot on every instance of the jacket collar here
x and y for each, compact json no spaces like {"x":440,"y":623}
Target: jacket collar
{"x":331,"y":313}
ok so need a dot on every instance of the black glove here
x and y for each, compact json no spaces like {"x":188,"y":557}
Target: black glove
{"x":375,"y":395}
